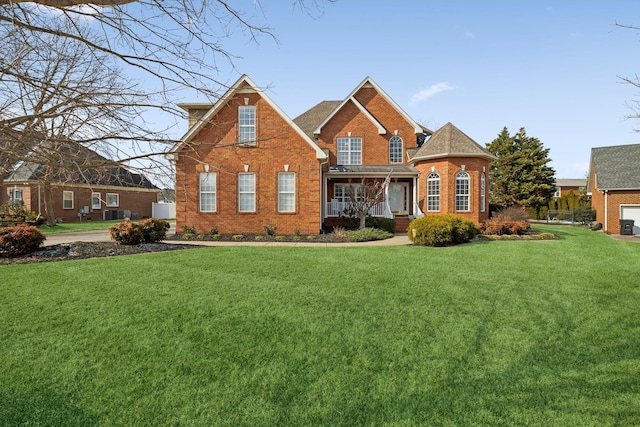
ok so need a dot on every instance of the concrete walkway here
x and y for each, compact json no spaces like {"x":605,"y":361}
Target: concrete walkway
{"x":103,"y":236}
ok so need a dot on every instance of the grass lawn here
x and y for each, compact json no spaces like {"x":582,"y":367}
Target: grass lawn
{"x":540,"y":333}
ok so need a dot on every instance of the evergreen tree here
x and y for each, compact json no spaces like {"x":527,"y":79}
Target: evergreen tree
{"x":520,"y":175}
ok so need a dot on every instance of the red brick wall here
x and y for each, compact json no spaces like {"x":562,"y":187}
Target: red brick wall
{"x":613,"y":200}
{"x":138,"y":201}
{"x":375,"y":147}
{"x":447,"y":168}
{"x":278,"y":144}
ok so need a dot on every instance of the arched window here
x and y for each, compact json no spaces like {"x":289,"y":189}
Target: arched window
{"x":462,"y":191}
{"x":395,"y":149}
{"x":433,"y":192}
{"x":483,"y":193}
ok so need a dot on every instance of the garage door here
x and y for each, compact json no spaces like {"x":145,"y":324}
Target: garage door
{"x":631,"y":212}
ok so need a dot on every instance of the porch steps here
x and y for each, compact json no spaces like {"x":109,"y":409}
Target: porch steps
{"x":402,"y":223}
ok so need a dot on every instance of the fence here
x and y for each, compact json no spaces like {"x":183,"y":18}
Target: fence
{"x":578,"y":216}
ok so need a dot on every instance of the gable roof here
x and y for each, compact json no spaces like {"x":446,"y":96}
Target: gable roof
{"x":571,"y":182}
{"x":368,"y":82}
{"x":83,"y":166}
{"x":310,"y":119}
{"x":616,"y":167}
{"x":243,"y":84}
{"x":449,"y":141}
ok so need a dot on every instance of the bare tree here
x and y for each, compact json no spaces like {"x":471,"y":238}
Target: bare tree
{"x":177,"y":44}
{"x":63,"y":106}
{"x":634,"y":105}
{"x":361,"y":198}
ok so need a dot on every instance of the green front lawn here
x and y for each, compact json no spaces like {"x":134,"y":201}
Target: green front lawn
{"x":540,"y":333}
{"x":67,"y":227}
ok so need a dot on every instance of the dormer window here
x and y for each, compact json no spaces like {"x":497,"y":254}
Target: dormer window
{"x":395,"y":149}
{"x":247,"y":125}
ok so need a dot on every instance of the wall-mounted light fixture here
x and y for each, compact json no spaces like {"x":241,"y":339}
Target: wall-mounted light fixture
{"x":246,"y":168}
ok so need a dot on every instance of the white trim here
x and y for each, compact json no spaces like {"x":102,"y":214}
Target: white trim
{"x":367,"y":114}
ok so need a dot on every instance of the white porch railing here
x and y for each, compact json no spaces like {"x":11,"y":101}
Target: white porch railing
{"x":336,"y":208}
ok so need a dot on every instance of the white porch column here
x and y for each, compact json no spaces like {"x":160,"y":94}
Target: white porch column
{"x":415,"y":196}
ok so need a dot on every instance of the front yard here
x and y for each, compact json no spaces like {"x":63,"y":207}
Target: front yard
{"x":488,"y":333}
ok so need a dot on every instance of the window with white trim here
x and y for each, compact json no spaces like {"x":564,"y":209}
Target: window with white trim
{"x":96,"y":203}
{"x":208,"y":185}
{"x":247,"y":192}
{"x":462,"y":191}
{"x":344,"y":192}
{"x":433,"y":192}
{"x":67,"y":200}
{"x":113,"y":200}
{"x":286,"y":192}
{"x":395,"y":149}
{"x":15,"y":195}
{"x":483,"y":192}
{"x":247,"y":125}
{"x":349,"y":151}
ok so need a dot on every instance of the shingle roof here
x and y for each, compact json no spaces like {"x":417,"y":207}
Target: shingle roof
{"x":378,"y":170}
{"x":449,"y":141}
{"x":90,"y":168}
{"x":310,"y":119}
{"x":616,"y":167}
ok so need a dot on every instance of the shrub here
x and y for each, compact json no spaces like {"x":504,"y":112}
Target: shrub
{"x":381,"y":223}
{"x":213,"y":231}
{"x":153,"y":230}
{"x":270,"y":229}
{"x":237,"y":237}
{"x":367,"y":234}
{"x":512,"y":213}
{"x":501,"y":227}
{"x":189,"y":229}
{"x":441,"y":230}
{"x":20,"y":240}
{"x":339,"y":233}
{"x":126,"y":233}
{"x":146,"y":231}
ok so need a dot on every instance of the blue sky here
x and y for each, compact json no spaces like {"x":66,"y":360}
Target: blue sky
{"x":553,"y":68}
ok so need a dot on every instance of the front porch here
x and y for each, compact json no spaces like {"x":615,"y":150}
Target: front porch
{"x":396,"y":189}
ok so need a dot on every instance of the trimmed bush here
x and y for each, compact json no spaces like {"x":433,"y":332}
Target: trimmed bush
{"x":21,"y":239}
{"x":386,"y":224}
{"x":133,"y":233}
{"x":441,"y":230}
{"x":126,"y":233}
{"x":153,"y":230}
{"x":367,"y":235}
{"x":499,"y":227}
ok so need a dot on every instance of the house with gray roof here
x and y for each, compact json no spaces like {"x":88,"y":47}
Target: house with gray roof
{"x":244,"y":163}
{"x":82,"y":185}
{"x":614,"y":187}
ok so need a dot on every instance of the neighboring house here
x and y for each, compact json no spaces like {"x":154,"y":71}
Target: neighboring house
{"x":614,"y":186}
{"x":113,"y":193}
{"x":563,"y":186}
{"x":244,"y":163}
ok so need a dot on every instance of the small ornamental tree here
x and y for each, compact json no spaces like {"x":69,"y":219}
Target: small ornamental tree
{"x":361,"y":198}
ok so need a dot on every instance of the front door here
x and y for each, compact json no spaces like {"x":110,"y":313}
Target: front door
{"x":399,"y":197}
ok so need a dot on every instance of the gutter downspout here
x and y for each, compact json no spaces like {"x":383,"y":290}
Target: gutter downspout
{"x":323,"y":193}
{"x":606,"y":210}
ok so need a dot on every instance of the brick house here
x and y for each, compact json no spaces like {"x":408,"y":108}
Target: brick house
{"x":614,"y":186}
{"x":565,"y":185}
{"x":244,"y":164}
{"x":91,"y":194}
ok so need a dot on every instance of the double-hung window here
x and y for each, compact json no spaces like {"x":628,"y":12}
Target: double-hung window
{"x":95,"y":201}
{"x":286,"y":192}
{"x":349,"y":151}
{"x":247,"y":125}
{"x":208,"y":182}
{"x":348,"y":193}
{"x":113,"y":200}
{"x":247,"y":192}
{"x":395,"y":149}
{"x":15,"y":195}
{"x":433,"y":192}
{"x":462,"y":191}
{"x":67,"y":199}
